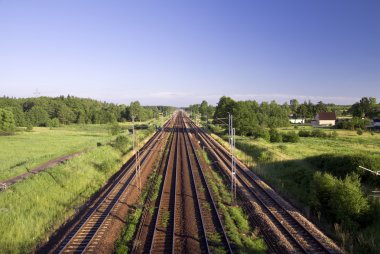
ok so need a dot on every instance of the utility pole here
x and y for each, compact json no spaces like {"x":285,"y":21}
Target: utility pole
{"x":207,"y":121}
{"x":231,"y":142}
{"x":137,"y":155}
{"x":231,"y":132}
{"x":138,"y":168}
{"x":133,"y":133}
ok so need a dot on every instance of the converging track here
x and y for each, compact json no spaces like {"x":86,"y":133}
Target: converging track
{"x":295,"y":232}
{"x":87,"y":233}
{"x":186,"y":219}
{"x":182,"y":217}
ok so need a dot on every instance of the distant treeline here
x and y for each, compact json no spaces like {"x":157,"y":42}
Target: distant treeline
{"x":250,"y":116}
{"x":48,"y":111}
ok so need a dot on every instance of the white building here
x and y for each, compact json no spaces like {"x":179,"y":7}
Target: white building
{"x":325,"y":119}
{"x":297,"y":120}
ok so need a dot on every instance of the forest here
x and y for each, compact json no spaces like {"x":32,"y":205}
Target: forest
{"x":52,"y":112}
{"x":251,"y":117}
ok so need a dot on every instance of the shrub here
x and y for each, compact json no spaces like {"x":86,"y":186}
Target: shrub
{"x":275,"y":136}
{"x":262,"y":133}
{"x":318,"y":133}
{"x":359,"y":132}
{"x":7,"y":121}
{"x":115,"y":129}
{"x":341,"y":201}
{"x":53,"y":123}
{"x":291,"y":137}
{"x":106,"y":165}
{"x":29,"y":127}
{"x":264,"y":157}
{"x":304,"y":133}
{"x":122,"y":143}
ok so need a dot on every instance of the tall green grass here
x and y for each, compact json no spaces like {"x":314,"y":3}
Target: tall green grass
{"x":26,"y":150}
{"x":290,"y":168}
{"x":33,"y":209}
{"x":239,"y":232}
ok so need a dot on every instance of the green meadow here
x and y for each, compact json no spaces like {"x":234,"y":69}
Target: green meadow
{"x":31,"y":210}
{"x":350,"y":216}
{"x":26,"y":150}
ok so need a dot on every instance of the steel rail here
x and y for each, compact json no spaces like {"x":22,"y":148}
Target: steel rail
{"x":193,"y":187}
{"x":173,"y":143}
{"x":126,"y":170}
{"x":208,"y":192}
{"x":294,"y":221}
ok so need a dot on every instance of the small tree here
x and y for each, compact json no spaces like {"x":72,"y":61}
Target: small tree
{"x":291,"y":137}
{"x":275,"y":136}
{"x":7,"y":121}
{"x":115,"y":129}
{"x":29,"y":126}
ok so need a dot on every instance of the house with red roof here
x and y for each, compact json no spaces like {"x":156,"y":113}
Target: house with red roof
{"x":325,"y":119}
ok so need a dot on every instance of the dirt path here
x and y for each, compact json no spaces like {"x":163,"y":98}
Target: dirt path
{"x":36,"y":170}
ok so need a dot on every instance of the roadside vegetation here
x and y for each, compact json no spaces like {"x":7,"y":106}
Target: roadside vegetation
{"x":148,"y":195}
{"x":321,"y":177}
{"x":124,"y":244}
{"x":317,"y":169}
{"x":36,"y":130}
{"x":33,"y":209}
{"x":242,"y":236}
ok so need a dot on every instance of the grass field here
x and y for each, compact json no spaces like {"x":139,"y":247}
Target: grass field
{"x":26,"y":150}
{"x":33,"y":209}
{"x":287,"y":167}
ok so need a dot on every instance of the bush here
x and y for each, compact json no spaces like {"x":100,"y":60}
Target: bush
{"x":265,"y":157}
{"x":262,"y":133}
{"x":7,"y":121}
{"x":53,"y":123}
{"x":359,"y":132}
{"x":122,"y":143}
{"x":342,"y":165}
{"x":291,"y":137}
{"x":275,"y":136}
{"x":341,"y":201}
{"x":318,"y":133}
{"x":115,"y":129}
{"x":107,"y":165}
{"x":29,"y":127}
{"x":304,"y":133}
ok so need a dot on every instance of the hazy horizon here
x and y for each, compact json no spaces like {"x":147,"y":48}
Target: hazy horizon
{"x":180,"y":53}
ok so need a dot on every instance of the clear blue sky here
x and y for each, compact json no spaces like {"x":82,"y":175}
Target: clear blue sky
{"x":180,"y":52}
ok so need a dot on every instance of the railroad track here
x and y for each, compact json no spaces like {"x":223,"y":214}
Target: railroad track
{"x":301,"y":234}
{"x":211,"y":221}
{"x":82,"y":237}
{"x":186,"y":220}
{"x":164,"y":223}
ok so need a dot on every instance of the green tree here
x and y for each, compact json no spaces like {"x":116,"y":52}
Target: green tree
{"x":38,"y":116}
{"x":135,"y":110}
{"x":294,"y":104}
{"x":225,"y":106}
{"x":65,"y":115}
{"x":366,"y":107}
{"x":275,"y":136}
{"x":203,"y":109}
{"x":7,"y":121}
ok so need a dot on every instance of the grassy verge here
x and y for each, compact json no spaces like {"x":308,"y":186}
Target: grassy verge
{"x":124,"y":243}
{"x":334,"y":199}
{"x":152,"y":187}
{"x":239,"y":232}
{"x":33,"y":209}
{"x":43,"y":144}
